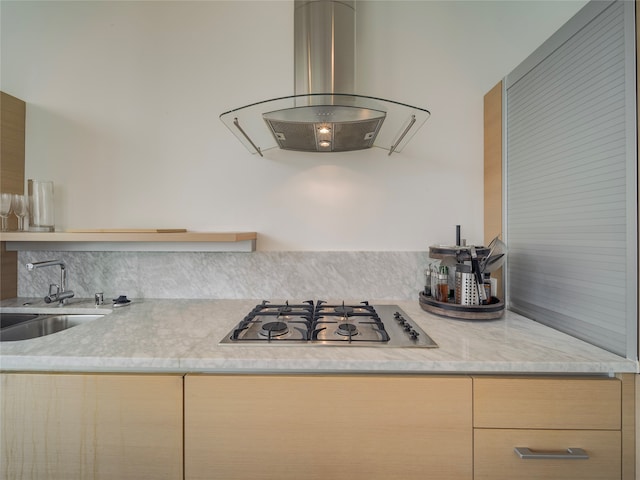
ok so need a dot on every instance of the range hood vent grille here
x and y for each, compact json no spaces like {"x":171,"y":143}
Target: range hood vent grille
{"x":325,"y":121}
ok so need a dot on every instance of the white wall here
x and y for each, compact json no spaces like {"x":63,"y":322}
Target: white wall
{"x":124,"y":97}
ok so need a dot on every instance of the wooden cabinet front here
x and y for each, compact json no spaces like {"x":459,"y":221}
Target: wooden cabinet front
{"x":68,"y":426}
{"x":546,"y":402}
{"x":547,"y":419}
{"x":496,"y":459}
{"x":327,"y":427}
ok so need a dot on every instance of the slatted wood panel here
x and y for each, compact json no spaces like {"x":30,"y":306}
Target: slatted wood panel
{"x":493,"y":172}
{"x":12,"y":145}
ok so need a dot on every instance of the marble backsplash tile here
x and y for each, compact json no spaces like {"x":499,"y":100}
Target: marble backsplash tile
{"x":257,"y":275}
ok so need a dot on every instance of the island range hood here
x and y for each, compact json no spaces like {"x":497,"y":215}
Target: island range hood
{"x":324,"y":115}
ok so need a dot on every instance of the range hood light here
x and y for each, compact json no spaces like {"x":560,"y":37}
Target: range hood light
{"x":317,"y":118}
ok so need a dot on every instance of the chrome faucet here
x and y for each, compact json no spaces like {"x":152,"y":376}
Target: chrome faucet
{"x":57,"y":292}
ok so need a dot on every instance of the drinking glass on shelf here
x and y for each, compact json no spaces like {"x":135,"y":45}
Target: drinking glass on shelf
{"x":5,"y":209}
{"x":20,"y":207}
{"x":40,"y":205}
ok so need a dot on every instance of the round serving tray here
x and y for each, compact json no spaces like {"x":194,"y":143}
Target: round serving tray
{"x":492,"y":311}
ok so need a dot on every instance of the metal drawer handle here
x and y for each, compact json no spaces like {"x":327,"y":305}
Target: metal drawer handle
{"x":570,"y":454}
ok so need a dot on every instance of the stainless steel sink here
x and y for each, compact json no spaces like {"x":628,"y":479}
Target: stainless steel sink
{"x":9,"y":319}
{"x":24,"y":326}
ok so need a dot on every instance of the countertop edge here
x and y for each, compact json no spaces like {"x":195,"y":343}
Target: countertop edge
{"x":181,"y":336}
{"x":184,"y":366}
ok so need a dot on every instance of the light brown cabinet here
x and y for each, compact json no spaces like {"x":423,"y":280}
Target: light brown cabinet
{"x":77,"y":426}
{"x":117,"y":426}
{"x":547,"y":416}
{"x":327,"y":427}
{"x":12,"y":147}
{"x":493,"y":172}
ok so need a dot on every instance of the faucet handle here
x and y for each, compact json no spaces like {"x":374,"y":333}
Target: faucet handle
{"x":54,"y":293}
{"x":53,"y":286}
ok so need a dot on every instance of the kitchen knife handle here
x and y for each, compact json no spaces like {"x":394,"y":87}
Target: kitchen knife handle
{"x":476,"y":270}
{"x":570,"y":454}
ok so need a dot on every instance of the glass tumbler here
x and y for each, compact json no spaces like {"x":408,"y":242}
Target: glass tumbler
{"x":41,"y":218}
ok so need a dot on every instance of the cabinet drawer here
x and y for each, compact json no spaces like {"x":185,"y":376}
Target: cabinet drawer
{"x":315,"y":427}
{"x":536,"y":402}
{"x":495,"y":457}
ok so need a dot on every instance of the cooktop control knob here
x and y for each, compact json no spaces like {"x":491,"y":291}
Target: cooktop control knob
{"x":399,"y":318}
{"x":414,"y":335}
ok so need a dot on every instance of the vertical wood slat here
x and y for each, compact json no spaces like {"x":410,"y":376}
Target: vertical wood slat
{"x":493,"y":172}
{"x":12,"y":143}
{"x":9,"y":274}
{"x":12,"y":147}
{"x":629,"y":418}
{"x":636,"y":402}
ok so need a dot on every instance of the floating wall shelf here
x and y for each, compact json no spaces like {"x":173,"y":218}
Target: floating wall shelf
{"x":131,"y":241}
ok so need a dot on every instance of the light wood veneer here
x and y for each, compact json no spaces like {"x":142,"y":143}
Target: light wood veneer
{"x":12,"y":146}
{"x":495,"y":458}
{"x":327,"y":427}
{"x":493,"y":172}
{"x":77,"y":426}
{"x":549,"y":415}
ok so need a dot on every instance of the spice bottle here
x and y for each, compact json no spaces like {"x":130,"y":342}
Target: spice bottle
{"x":487,"y":288}
{"x":427,"y":281}
{"x":442,"y":293}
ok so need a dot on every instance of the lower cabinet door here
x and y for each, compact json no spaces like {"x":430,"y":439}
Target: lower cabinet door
{"x":347,"y":427}
{"x":85,"y":426}
{"x":548,"y":455}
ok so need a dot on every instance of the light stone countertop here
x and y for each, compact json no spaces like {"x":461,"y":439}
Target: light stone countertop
{"x":183,"y":335}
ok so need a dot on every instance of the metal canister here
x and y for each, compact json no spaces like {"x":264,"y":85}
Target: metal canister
{"x":466,"y":291}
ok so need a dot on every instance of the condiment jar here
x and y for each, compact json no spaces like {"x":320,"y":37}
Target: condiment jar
{"x":442,"y":291}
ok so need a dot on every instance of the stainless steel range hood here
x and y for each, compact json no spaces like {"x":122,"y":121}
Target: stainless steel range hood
{"x":324,"y":115}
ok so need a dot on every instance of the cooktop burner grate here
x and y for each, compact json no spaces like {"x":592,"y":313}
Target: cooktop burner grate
{"x":320,"y":323}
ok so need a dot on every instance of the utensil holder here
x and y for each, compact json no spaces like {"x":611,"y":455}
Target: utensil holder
{"x":466,"y":289}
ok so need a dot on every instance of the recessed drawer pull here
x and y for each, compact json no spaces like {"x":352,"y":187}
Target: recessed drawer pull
{"x":570,"y":454}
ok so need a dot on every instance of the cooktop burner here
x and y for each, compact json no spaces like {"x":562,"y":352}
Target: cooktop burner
{"x":319,"y":323}
{"x":347,"y":329}
{"x":273,"y":329}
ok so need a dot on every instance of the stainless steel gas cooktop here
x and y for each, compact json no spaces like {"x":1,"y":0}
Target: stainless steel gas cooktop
{"x":320,"y":323}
